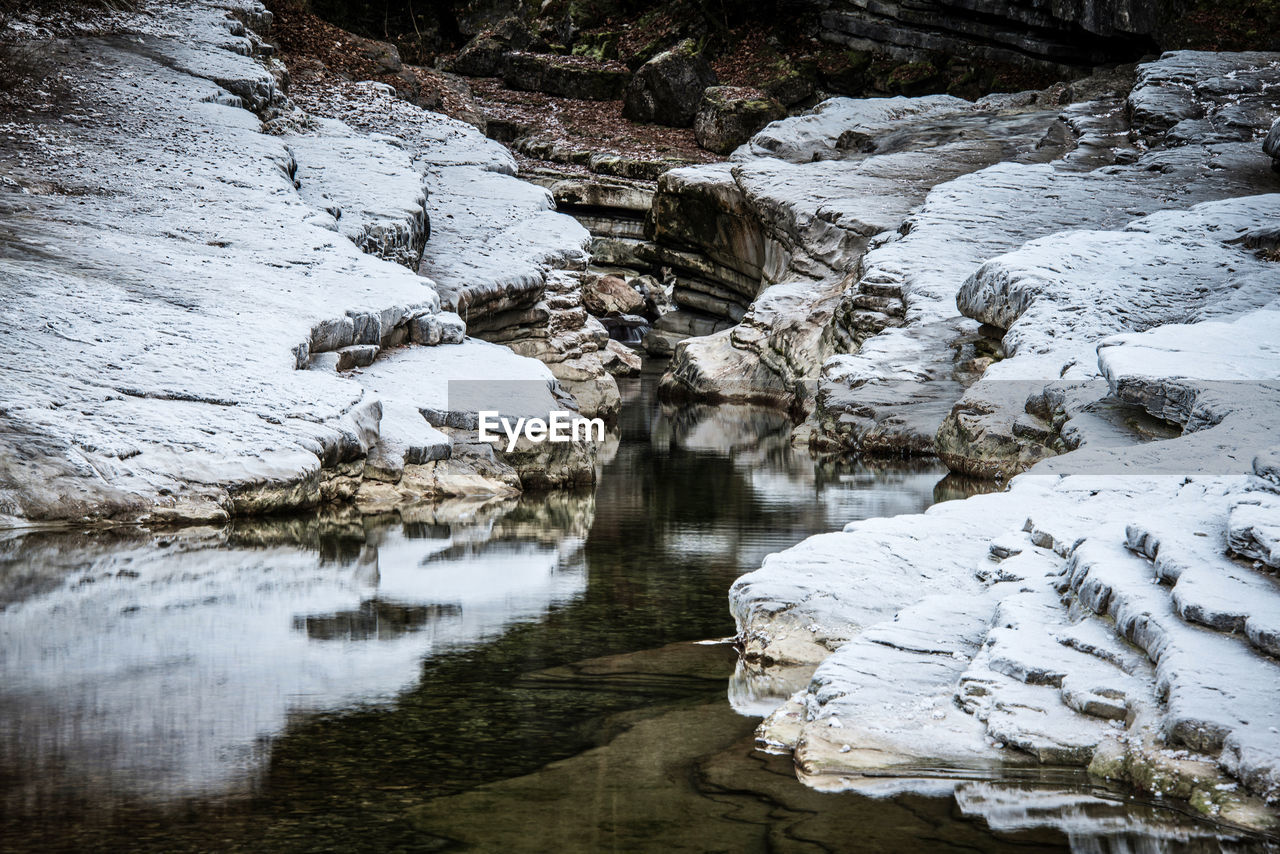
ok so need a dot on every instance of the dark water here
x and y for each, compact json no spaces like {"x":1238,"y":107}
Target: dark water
{"x":510,"y":675}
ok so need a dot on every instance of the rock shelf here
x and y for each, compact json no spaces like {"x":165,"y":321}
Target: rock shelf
{"x":1106,"y":321}
{"x":263,"y":239}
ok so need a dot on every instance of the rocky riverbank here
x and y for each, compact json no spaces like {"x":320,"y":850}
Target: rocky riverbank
{"x":1105,"y":317}
{"x":301,"y":274}
{"x":1074,"y":289}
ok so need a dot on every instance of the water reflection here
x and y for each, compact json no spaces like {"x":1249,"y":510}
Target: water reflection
{"x":514,"y":673}
{"x":157,"y":665}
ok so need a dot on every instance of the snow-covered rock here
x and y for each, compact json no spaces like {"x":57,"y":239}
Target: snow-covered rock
{"x":969,"y":221}
{"x":171,"y":267}
{"x":794,"y":214}
{"x":1057,"y":297}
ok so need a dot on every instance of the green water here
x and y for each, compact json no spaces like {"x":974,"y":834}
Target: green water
{"x":506,"y":676}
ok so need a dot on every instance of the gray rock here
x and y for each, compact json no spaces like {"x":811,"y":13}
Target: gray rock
{"x":730,"y":115}
{"x":667,"y":89}
{"x":453,"y":330}
{"x":357,"y":356}
{"x":1271,"y":145}
{"x":611,"y":295}
{"x":332,"y":334}
{"x":425,"y":329}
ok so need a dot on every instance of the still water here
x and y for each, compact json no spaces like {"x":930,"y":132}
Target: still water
{"x":517,"y":675}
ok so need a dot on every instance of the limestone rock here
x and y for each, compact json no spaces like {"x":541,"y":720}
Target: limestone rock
{"x":356,"y":356}
{"x":281,"y":268}
{"x":620,"y":360}
{"x":565,"y":76}
{"x":667,"y":89}
{"x":729,"y":116}
{"x":611,"y":295}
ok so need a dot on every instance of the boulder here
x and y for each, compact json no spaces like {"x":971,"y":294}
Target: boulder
{"x":384,"y":55}
{"x":791,"y":88}
{"x":480,"y":57}
{"x":1272,"y":145}
{"x":667,"y":89}
{"x":565,"y":76}
{"x":611,"y":295}
{"x":730,"y":115}
{"x":620,"y":360}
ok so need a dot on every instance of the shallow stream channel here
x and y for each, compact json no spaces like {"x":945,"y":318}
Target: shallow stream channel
{"x":553,"y":673}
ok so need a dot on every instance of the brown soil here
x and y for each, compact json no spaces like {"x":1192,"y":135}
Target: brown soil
{"x":315,"y":50}
{"x":585,"y":125}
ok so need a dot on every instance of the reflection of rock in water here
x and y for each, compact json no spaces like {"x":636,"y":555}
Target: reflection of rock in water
{"x":758,"y":691}
{"x":1093,"y":821}
{"x":681,"y":776}
{"x":157,"y":666}
{"x":374,"y":620}
{"x":728,"y":428}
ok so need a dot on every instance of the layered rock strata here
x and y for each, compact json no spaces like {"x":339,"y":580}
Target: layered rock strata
{"x":768,"y":241}
{"x":1053,"y":36}
{"x":1116,"y":608}
{"x":174,"y":385}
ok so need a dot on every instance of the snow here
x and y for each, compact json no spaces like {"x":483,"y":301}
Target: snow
{"x":165,"y":277}
{"x":819,"y":134}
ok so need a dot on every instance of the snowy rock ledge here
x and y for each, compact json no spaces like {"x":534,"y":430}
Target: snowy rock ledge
{"x":172,"y":268}
{"x":1127,"y":162}
{"x":1116,"y":608}
{"x":500,"y":255}
{"x":1090,"y":621}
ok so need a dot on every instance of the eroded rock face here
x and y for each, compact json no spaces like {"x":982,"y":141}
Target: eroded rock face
{"x":769,"y":241}
{"x":221,"y":391}
{"x":1113,"y":608}
{"x":729,"y":116}
{"x":667,"y":89}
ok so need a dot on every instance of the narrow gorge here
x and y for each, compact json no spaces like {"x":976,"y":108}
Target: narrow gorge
{"x":942,"y":337}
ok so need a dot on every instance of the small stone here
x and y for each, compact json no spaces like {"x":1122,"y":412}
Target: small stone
{"x":453,"y":330}
{"x":357,"y":356}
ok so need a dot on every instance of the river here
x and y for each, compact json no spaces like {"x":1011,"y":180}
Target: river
{"x":548,"y":673}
